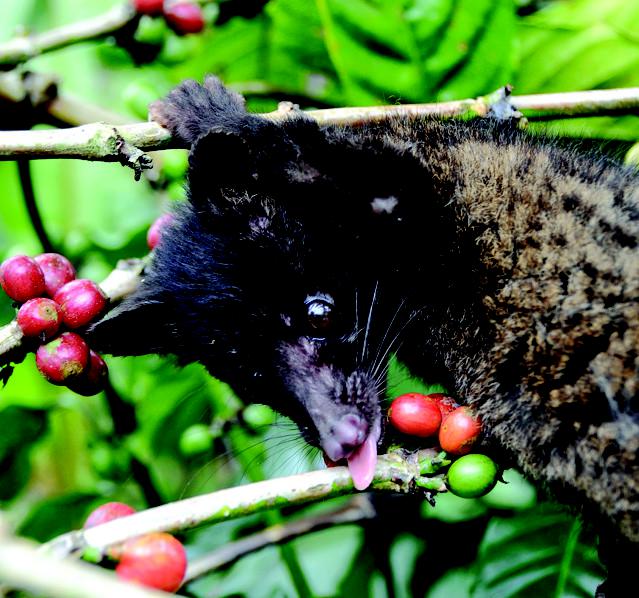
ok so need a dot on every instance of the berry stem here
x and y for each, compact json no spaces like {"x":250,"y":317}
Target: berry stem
{"x":26,"y":183}
{"x":435,"y":483}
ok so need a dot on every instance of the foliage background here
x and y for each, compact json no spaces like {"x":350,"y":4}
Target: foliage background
{"x":164,"y":433}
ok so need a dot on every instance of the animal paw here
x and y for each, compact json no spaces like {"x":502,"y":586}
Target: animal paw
{"x":191,"y":110}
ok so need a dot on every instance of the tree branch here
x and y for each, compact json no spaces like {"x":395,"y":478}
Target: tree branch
{"x":21,"y":49}
{"x":396,"y":472}
{"x":126,"y":143}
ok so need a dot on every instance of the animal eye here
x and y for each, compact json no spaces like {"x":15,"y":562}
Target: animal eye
{"x":319,"y":311}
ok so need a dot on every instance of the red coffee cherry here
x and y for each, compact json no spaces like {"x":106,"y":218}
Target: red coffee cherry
{"x":184,"y":17}
{"x":40,"y":317}
{"x":157,"y":228}
{"x":415,"y":414}
{"x":80,"y":302}
{"x":108,"y":512}
{"x":156,"y":560}
{"x":21,"y":278}
{"x":92,"y":380}
{"x":63,"y":358}
{"x":459,"y":432}
{"x":445,"y":403}
{"x":148,"y":7}
{"x":57,"y":271}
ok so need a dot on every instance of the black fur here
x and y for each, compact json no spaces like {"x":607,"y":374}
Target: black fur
{"x":496,"y":262}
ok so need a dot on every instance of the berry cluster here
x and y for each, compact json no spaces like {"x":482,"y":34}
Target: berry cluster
{"x":53,"y":300}
{"x":156,"y":560}
{"x":457,"y":429}
{"x":182,"y":16}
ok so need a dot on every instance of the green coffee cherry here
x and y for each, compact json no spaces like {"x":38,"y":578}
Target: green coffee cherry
{"x":151,"y":31}
{"x":196,"y":439}
{"x":258,"y":416}
{"x":472,"y":476}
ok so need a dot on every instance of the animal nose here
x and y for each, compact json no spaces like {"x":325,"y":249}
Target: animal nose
{"x":346,"y":435}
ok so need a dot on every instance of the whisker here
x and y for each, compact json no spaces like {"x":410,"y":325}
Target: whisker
{"x":356,"y":310}
{"x":368,"y":323}
{"x":375,"y":362}
{"x":412,"y":316}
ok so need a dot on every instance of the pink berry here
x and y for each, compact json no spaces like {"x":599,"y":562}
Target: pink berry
{"x":63,"y":358}
{"x":157,"y":228}
{"x":92,"y":380}
{"x":39,"y":317}
{"x":148,"y":7}
{"x":57,"y":271}
{"x":184,"y":17}
{"x":21,"y":278}
{"x":108,"y":512}
{"x":156,"y":560}
{"x":80,"y":302}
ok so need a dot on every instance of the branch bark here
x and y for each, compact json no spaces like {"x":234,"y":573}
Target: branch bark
{"x":21,"y":49}
{"x":108,"y":143}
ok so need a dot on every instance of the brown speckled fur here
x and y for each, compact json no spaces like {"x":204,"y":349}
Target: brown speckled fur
{"x":553,"y":368}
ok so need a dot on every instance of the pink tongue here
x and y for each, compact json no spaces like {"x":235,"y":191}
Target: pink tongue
{"x":361,"y":464}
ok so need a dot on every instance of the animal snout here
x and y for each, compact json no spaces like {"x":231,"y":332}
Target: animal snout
{"x":345,"y":436}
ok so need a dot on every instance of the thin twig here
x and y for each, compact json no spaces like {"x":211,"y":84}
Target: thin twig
{"x":357,"y":509}
{"x":21,"y":49}
{"x":103,"y":142}
{"x":26,"y":183}
{"x":395,"y":472}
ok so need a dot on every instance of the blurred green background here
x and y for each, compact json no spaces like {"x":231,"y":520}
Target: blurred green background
{"x":164,"y":433}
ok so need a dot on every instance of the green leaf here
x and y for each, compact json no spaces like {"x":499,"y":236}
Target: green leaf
{"x":585,"y":44}
{"x":455,"y":583}
{"x":54,"y":516}
{"x":327,"y":556}
{"x":516,"y":493}
{"x":403,"y":555}
{"x":21,"y":429}
{"x":259,"y":575}
{"x":418,"y":50}
{"x":538,"y":553}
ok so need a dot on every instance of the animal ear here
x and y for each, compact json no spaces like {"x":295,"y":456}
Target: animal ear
{"x":218,"y":160}
{"x":140,"y":325}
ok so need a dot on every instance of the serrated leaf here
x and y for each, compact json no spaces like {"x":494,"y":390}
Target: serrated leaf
{"x":584,"y":44}
{"x":538,"y":553}
{"x":462,"y":48}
